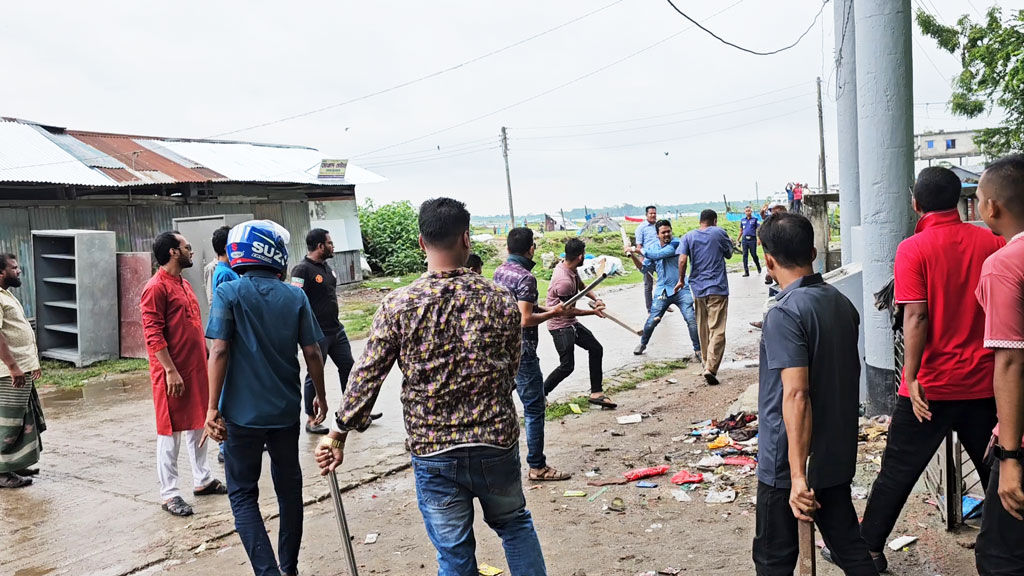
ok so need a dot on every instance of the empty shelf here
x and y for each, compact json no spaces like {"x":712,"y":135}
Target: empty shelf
{"x":62,"y":280}
{"x":66,"y":354}
{"x":63,"y":304}
{"x":60,"y":256}
{"x":69,"y":328}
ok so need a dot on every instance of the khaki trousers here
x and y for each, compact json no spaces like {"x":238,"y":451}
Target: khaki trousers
{"x":711,"y":315}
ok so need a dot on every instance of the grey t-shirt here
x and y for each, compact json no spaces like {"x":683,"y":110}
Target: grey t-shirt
{"x":812,"y":325}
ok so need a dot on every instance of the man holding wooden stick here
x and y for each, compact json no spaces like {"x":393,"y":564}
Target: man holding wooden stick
{"x":808,"y":403}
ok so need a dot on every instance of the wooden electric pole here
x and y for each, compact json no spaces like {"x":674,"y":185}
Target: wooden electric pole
{"x":821,"y":143}
{"x":508,"y":177}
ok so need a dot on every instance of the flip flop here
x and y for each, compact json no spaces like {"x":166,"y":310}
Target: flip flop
{"x":603,"y":401}
{"x":213,"y":488}
{"x":11,"y":480}
{"x":177,"y":507}
{"x":548,"y":474}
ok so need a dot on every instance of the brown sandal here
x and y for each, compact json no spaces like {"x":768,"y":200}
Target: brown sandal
{"x":548,"y":474}
{"x":11,"y":480}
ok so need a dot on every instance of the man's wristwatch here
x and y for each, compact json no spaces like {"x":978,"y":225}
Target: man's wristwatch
{"x":331,"y":442}
{"x":1003,"y":454}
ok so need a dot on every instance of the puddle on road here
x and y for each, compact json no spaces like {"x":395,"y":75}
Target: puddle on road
{"x":94,"y":392}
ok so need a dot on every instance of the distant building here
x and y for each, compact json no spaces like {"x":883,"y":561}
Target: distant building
{"x":942,"y":145}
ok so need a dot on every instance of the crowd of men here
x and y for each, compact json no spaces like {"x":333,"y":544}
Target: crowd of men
{"x":464,"y":342}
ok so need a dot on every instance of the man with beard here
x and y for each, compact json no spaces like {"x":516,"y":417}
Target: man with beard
{"x":21,"y":415}
{"x":173,"y":330}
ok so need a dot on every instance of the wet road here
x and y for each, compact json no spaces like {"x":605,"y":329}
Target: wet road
{"x":95,"y":509}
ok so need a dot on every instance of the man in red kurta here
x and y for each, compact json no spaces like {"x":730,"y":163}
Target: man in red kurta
{"x":177,"y":367}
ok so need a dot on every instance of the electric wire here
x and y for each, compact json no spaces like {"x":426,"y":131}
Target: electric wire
{"x":741,"y":48}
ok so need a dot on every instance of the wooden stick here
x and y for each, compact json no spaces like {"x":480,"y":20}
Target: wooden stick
{"x":619,"y":322}
{"x":600,"y":278}
{"x":805,"y":535}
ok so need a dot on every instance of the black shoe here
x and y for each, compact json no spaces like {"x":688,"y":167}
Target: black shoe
{"x":881,"y":564}
{"x":711,"y":379}
{"x":768,"y":281}
{"x":639,"y":349}
{"x":317,"y":429}
{"x":376,"y":416}
{"x":746,"y":274}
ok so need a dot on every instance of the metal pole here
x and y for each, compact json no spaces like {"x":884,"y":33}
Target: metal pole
{"x":821,"y":143}
{"x":508,"y":177}
{"x":885,"y":101}
{"x":339,"y":510}
{"x":846,"y":127}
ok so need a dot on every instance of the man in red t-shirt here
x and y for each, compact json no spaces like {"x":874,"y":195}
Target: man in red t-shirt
{"x":947,"y":373}
{"x":1000,"y":548}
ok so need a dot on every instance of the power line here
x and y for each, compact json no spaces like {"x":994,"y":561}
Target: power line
{"x":741,"y":48}
{"x":686,"y":137}
{"x":641,"y":119}
{"x":546,"y":92}
{"x":489,"y":143}
{"x":717,"y":115}
{"x":426,"y":150}
{"x":397,"y":164}
{"x":421,"y":78}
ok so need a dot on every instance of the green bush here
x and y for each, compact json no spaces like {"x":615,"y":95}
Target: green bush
{"x":391,"y":238}
{"x":487,"y":251}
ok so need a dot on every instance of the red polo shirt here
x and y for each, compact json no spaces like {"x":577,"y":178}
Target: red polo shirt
{"x":941,"y":264}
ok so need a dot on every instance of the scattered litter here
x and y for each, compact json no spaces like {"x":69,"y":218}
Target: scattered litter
{"x":617,"y":433}
{"x":371,"y":538}
{"x":200,"y":549}
{"x":740,"y":461}
{"x":819,"y":543}
{"x":631,"y":419}
{"x":902,"y":542}
{"x":669,"y":571}
{"x":597,"y":494}
{"x":743,"y":434}
{"x":859,"y":492}
{"x":645,"y":472}
{"x":590,"y":474}
{"x":224,"y":549}
{"x":617,"y":505}
{"x":710,"y":462}
{"x":736,"y":421}
{"x":971,"y":507}
{"x":575,"y":408}
{"x":486,"y":570}
{"x":682,"y":439}
{"x":706,"y":431}
{"x":608,"y":482}
{"x":653,"y":528}
{"x":646,"y":484}
{"x":681,"y":496}
{"x":720,"y":442}
{"x":690,"y":441}
{"x":720,"y":496}
{"x":574,"y":494}
{"x":672,"y":381}
{"x":684,"y":477}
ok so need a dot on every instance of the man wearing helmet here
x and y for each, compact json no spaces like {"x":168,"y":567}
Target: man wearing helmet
{"x":256,"y":323}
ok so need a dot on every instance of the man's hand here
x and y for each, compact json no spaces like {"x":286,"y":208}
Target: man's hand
{"x":175,"y":384}
{"x":918,"y":400}
{"x":678,"y":287}
{"x":328,"y":458}
{"x":214,"y":427}
{"x":559,"y":310}
{"x":37,"y":374}
{"x":1010,"y":492}
{"x":18,"y":376}
{"x":319,"y":410}
{"x":801,"y":500}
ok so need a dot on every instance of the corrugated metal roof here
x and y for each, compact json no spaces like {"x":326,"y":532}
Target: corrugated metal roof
{"x":28,"y":156}
{"x":35,"y":153}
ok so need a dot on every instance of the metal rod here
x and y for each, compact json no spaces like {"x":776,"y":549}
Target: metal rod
{"x":339,"y":510}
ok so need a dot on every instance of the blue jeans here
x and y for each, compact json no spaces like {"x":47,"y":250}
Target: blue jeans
{"x":242,"y":470}
{"x":446,"y":485}
{"x":684,"y":300}
{"x":530,"y":385}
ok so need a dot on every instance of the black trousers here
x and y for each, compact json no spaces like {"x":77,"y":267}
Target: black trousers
{"x":566,"y":339}
{"x":911,"y":446}
{"x":336,"y":347}
{"x":1000,"y":548}
{"x":777,"y":548}
{"x":750,"y":247}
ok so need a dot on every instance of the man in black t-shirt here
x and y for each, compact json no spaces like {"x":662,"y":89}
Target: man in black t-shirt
{"x":316,"y":278}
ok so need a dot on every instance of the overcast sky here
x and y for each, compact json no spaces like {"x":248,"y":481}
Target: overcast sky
{"x":714,"y":120}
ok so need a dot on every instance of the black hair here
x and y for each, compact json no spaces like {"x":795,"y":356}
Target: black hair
{"x":648,"y":209}
{"x":708,"y":215}
{"x":520,"y":240}
{"x":936,"y":189}
{"x":163,"y":244}
{"x":474,"y":261}
{"x":789,"y":238}
{"x":5,"y":258}
{"x":1007,"y":178}
{"x":315,"y":238}
{"x":574,"y":248}
{"x":660,"y":223}
{"x":220,"y":240}
{"x":443,"y":221}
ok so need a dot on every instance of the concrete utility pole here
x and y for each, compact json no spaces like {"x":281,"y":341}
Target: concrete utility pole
{"x":846,"y":127}
{"x":885,"y":101}
{"x":821,"y":144}
{"x":508,"y":177}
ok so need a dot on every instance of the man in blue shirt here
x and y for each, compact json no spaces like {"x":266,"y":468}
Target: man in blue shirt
{"x":256,"y":324}
{"x":647,"y":238}
{"x":808,"y":405}
{"x":220,"y":274}
{"x":748,"y":240}
{"x":667,"y":267}
{"x":707,"y":248}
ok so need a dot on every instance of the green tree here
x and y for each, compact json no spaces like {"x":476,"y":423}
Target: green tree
{"x":992,"y":55}
{"x":391,"y":238}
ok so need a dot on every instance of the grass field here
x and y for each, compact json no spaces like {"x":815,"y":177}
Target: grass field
{"x":66,"y":375}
